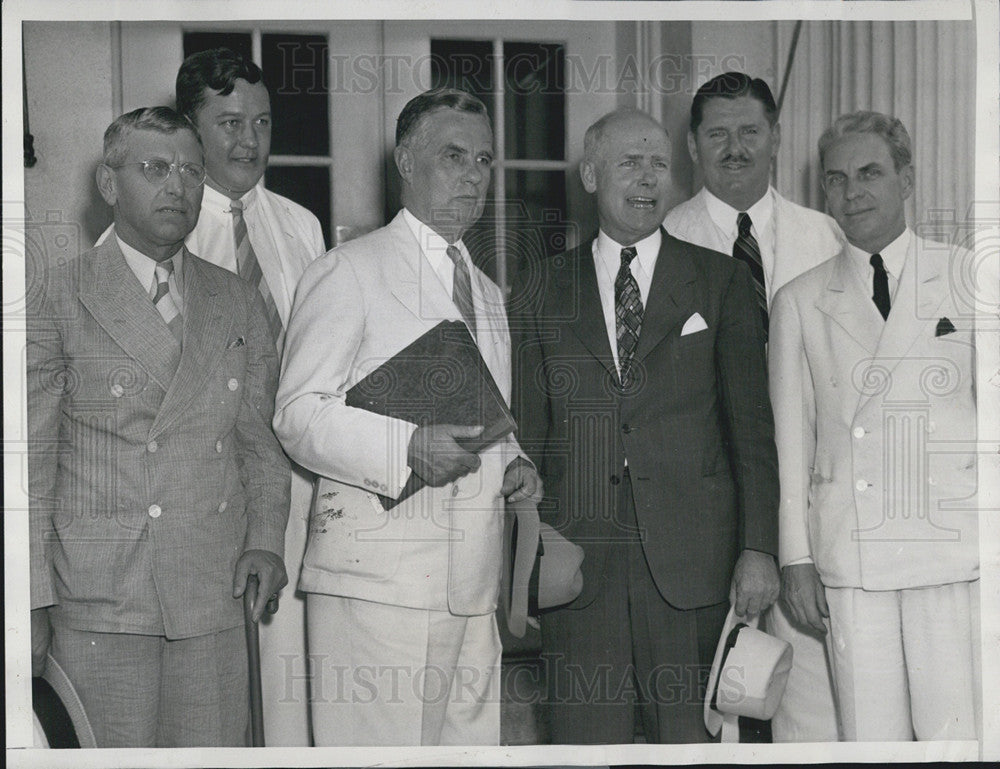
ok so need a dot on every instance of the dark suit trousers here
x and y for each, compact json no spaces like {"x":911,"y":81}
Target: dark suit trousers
{"x":629,"y":647}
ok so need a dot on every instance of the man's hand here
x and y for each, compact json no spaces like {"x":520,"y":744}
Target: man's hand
{"x":41,"y":639}
{"x":755,"y":583}
{"x":521,"y":481}
{"x":803,"y":592}
{"x":434,"y":455}
{"x":270,"y":571}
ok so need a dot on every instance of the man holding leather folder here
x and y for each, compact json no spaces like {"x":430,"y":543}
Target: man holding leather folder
{"x":402,"y":587}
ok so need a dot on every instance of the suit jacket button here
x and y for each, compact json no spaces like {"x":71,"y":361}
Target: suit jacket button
{"x":117,"y":390}
{"x":154,"y":511}
{"x":861,"y":485}
{"x":232,"y":384}
{"x":218,"y":447}
{"x":152,"y":446}
{"x":859,"y":432}
{"x":626,"y":428}
{"x":615,"y":480}
{"x":222,"y":507}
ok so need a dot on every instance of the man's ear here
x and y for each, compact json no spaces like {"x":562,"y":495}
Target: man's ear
{"x":404,"y":162}
{"x":907,"y":174}
{"x":776,"y":134}
{"x":692,"y":148}
{"x":588,"y":175}
{"x":107,"y":184}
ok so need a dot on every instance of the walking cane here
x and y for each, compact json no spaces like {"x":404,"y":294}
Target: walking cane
{"x":253,"y":660}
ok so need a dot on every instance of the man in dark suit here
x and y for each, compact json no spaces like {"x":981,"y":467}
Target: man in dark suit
{"x":157,"y":485}
{"x":641,"y":394}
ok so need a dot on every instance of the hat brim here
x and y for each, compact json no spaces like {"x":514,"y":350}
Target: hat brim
{"x":713,"y":718}
{"x":58,"y":709}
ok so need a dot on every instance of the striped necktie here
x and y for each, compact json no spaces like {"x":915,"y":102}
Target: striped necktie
{"x":746,"y":250}
{"x":461,"y":289}
{"x":159,"y":293}
{"x":628,"y":314}
{"x":248,"y":268}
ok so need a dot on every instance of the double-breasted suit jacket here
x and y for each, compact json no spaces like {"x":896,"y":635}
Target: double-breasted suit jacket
{"x":439,"y":549}
{"x":150,"y":471}
{"x":876,"y":425}
{"x":696,"y":428}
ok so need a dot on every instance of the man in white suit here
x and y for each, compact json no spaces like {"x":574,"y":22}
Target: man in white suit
{"x":871,"y":359}
{"x":733,"y":138}
{"x":401,"y":603}
{"x":225,"y":97}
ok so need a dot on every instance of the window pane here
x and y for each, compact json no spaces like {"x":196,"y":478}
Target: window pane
{"x":296,"y":70}
{"x":308,"y":186}
{"x":534,"y":101}
{"x":195,"y":42}
{"x":536,"y":216}
{"x":464,"y":64}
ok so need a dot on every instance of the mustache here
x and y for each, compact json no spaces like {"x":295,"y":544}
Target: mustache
{"x":738,"y":157}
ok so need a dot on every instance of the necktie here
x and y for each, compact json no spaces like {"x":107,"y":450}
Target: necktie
{"x":628,"y":314}
{"x":249,"y":269}
{"x":880,"y":285}
{"x":461,"y":290}
{"x":159,"y":292}
{"x":746,"y":250}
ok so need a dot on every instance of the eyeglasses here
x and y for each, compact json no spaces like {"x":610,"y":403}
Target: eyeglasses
{"x":158,"y":171}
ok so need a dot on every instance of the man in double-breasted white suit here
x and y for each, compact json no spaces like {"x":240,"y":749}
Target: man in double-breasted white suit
{"x":734,"y":136}
{"x":400,"y":602}
{"x":872,"y":382}
{"x":157,"y":484}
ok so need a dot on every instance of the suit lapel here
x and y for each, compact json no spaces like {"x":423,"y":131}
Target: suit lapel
{"x":671,"y":294}
{"x":847,"y":305}
{"x":577,"y":282}
{"x":412,"y":280}
{"x":207,"y":322}
{"x":112,"y":294}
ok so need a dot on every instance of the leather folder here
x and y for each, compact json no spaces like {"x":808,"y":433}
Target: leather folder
{"x":440,"y":378}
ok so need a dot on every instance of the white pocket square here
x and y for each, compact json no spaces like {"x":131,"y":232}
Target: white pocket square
{"x":693,"y":324}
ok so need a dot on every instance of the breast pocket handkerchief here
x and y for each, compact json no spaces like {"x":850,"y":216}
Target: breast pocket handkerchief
{"x":693,"y":324}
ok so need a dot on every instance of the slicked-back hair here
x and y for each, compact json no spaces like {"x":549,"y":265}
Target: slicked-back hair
{"x":163,"y":120}
{"x":732,"y":85}
{"x":409,"y":120}
{"x":217,"y":69}
{"x":866,"y":122}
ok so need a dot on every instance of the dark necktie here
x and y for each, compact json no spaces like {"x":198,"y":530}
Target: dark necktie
{"x":746,"y":250}
{"x":159,"y":292}
{"x":248,"y":268}
{"x":461,"y":289}
{"x":880,"y":285}
{"x":628,"y":314}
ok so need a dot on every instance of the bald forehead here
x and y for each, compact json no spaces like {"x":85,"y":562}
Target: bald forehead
{"x":624,"y":127}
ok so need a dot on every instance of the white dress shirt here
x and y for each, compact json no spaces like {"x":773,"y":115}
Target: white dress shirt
{"x":144,"y":268}
{"x":435,"y":251}
{"x":893,"y":257}
{"x":607,"y":261}
{"x":761,"y":213}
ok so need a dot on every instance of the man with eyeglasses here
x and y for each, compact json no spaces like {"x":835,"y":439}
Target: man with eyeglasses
{"x":156,"y":483}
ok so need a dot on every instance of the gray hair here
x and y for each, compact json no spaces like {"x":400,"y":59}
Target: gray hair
{"x":163,"y":120}
{"x":889,"y":128}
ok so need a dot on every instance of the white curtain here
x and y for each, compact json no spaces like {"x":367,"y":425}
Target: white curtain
{"x":923,"y":72}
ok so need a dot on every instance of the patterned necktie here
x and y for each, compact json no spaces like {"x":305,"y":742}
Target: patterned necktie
{"x":746,"y":250}
{"x":628,"y":314}
{"x":880,"y":286}
{"x":461,"y":290}
{"x":249,"y":269}
{"x":159,"y":293}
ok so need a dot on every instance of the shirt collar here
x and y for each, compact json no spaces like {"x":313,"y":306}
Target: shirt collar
{"x":432,"y":245}
{"x":144,"y":267}
{"x":724,"y":215}
{"x":893,"y":255}
{"x":646,"y":249}
{"x":219,"y":202}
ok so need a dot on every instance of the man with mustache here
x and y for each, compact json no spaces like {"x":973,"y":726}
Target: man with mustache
{"x":157,"y":484}
{"x":873,"y":384}
{"x":641,"y":394}
{"x":733,"y":139}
